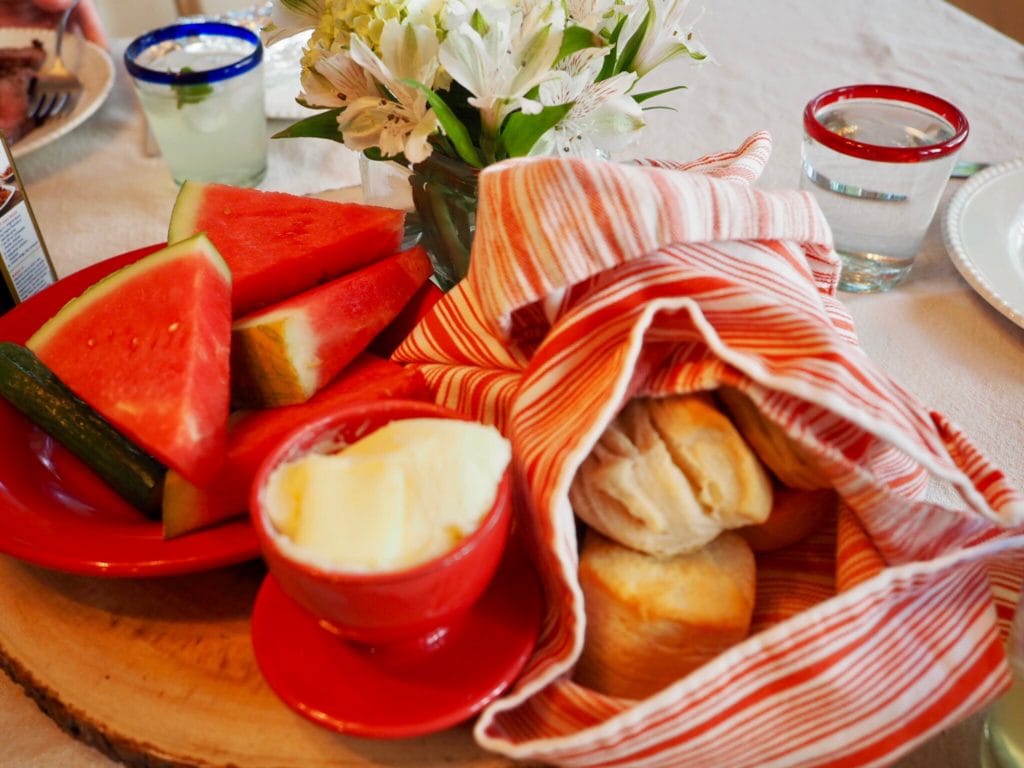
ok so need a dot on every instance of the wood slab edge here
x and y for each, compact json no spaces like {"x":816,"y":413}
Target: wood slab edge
{"x":77,"y":724}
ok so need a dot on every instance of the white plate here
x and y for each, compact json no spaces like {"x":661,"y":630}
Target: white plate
{"x":984,"y":232}
{"x":283,"y":70}
{"x":92,"y":65}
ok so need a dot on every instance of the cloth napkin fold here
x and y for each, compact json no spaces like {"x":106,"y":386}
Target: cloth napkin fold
{"x":591,"y":283}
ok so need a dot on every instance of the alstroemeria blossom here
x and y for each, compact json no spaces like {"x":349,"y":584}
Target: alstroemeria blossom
{"x":667,"y":36}
{"x":336,"y":81}
{"x":595,"y":15}
{"x":602,"y":119}
{"x":289,"y":17}
{"x":501,"y":51}
{"x":480,"y":80}
{"x":403,"y":123}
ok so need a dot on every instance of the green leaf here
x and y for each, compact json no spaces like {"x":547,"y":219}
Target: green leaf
{"x":629,"y":51}
{"x":479,"y":23}
{"x":576,"y":38}
{"x":321,"y":126}
{"x":453,"y":127}
{"x":640,"y":98}
{"x":374,"y":153}
{"x":190,"y":94}
{"x":608,"y":67}
{"x":521,"y":131}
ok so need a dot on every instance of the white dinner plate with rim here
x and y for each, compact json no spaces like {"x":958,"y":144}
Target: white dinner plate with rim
{"x":983,"y":228}
{"x":87,"y":60}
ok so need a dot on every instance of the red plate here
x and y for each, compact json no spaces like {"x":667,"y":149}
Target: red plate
{"x":393,"y":693}
{"x":56,"y":513}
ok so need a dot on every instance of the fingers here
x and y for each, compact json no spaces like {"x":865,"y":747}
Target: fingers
{"x":52,"y":6}
{"x":88,"y":20}
{"x":86,"y":17}
{"x":44,"y":13}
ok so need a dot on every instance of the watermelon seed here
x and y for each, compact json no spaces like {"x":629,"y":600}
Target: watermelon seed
{"x":173,"y":327}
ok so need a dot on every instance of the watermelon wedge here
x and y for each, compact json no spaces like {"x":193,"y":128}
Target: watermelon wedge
{"x":148,"y":348}
{"x":419,"y":306}
{"x":281,"y":355}
{"x":278,"y":244}
{"x":253,"y":434}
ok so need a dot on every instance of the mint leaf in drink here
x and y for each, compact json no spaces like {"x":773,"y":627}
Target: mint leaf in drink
{"x":191,"y":94}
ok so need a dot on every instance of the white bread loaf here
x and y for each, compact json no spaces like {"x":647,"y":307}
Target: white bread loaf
{"x":651,"y":620}
{"x":795,"y":515}
{"x":668,"y":475}
{"x":780,"y":453}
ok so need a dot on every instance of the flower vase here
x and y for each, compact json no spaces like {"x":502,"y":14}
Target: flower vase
{"x":444,"y":196}
{"x":440,"y":196}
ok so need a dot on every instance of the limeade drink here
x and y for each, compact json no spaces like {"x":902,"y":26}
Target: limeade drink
{"x":210,"y":121}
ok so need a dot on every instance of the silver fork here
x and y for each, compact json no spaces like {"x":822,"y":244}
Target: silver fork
{"x":55,"y":91}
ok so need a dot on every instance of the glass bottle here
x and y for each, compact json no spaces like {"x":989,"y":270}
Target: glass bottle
{"x":1003,"y":740}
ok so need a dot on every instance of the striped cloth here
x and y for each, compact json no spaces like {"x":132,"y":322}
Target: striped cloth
{"x":592,"y":283}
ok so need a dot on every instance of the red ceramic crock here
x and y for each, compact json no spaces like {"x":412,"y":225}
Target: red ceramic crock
{"x":416,"y":604}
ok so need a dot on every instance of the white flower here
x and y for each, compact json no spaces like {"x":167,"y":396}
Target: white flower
{"x":288,"y":17}
{"x":500,"y":51}
{"x":595,"y":15}
{"x":667,"y":36}
{"x":484,"y":61}
{"x":404,"y":124}
{"x":336,"y":81}
{"x":602,"y":119}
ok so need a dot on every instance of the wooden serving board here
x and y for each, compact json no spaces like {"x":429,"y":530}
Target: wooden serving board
{"x":160,"y":672}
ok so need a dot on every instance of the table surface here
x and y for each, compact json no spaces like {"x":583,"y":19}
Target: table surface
{"x":96,"y":194}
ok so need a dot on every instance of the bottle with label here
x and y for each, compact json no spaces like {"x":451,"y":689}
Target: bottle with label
{"x":25,"y":266}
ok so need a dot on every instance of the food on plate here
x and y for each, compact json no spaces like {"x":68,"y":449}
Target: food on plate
{"x":277,"y":244}
{"x":148,"y":348}
{"x":253,"y":434}
{"x":419,"y":306}
{"x":33,"y":389}
{"x":404,"y":494}
{"x":17,"y":68}
{"x":668,"y":475}
{"x":776,"y":449}
{"x":796,"y":514}
{"x":5,"y":194}
{"x":283,"y":354}
{"x":652,"y":620}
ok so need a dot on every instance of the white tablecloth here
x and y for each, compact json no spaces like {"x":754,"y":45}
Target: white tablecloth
{"x":95,"y":194}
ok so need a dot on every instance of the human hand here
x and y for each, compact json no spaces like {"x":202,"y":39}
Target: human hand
{"x":20,"y":13}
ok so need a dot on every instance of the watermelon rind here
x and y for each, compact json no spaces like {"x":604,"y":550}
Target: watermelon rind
{"x":185,"y":211}
{"x":102,"y":289}
{"x":165,"y":387}
{"x":278,"y":244}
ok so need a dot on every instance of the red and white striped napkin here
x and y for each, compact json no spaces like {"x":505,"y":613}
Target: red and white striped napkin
{"x":594,"y":282}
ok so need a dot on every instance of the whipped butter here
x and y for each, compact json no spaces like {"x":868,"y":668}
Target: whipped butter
{"x":398,"y":497}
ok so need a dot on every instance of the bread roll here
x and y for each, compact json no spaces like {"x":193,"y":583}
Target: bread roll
{"x":795,"y":515}
{"x":651,"y":620}
{"x":780,"y":453}
{"x":668,"y":475}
